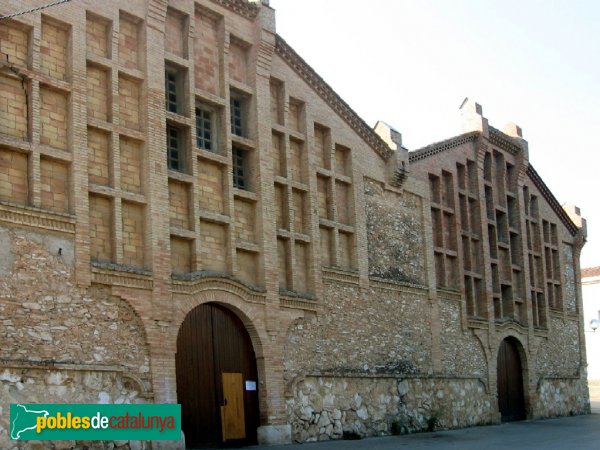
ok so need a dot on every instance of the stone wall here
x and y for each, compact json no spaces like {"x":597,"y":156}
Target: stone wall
{"x":462,"y":354}
{"x":395,"y":234}
{"x":62,"y":385}
{"x":558,"y":355}
{"x":60,"y":343}
{"x":323,"y":408}
{"x":375,"y":330}
{"x":570,"y":285}
{"x":561,"y":397}
{"x":44,"y":317}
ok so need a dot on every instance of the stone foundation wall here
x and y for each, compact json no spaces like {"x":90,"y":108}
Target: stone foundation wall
{"x":561,"y":397}
{"x":62,"y":343}
{"x":326,"y":407}
{"x":63,"y":385}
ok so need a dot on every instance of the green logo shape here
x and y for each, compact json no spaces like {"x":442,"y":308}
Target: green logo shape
{"x":144,"y":422}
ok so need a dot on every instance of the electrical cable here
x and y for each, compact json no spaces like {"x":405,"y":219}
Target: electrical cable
{"x":34,"y":9}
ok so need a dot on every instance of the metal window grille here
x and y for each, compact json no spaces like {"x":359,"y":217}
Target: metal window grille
{"x":171,"y":91}
{"x":236,"y":107}
{"x":174,"y":148}
{"x":204,"y":132}
{"x":239,"y":168}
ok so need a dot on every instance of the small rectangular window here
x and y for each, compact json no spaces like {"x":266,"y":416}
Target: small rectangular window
{"x":237,"y":124}
{"x":205,"y":135}
{"x":174,"y":148}
{"x":174,"y":89}
{"x":171,"y":91}
{"x":239,"y":168}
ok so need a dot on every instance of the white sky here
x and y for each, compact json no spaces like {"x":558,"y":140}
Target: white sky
{"x":412,"y":62}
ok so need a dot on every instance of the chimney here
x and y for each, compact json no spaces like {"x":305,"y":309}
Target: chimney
{"x":513,"y":130}
{"x":398,"y":163}
{"x":472,"y":117}
{"x":574,"y":214}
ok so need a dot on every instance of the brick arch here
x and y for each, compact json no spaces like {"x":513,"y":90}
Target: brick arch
{"x":250,"y":315}
{"x":517,"y":339}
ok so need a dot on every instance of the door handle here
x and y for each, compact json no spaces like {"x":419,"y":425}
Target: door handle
{"x":225,"y":402}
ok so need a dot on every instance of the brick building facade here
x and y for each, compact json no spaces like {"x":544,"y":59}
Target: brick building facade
{"x":171,"y":165}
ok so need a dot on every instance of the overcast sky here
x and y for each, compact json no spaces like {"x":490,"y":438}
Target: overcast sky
{"x":412,"y":62}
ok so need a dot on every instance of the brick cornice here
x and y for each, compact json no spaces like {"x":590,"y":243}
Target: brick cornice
{"x":551,"y":199}
{"x":308,"y":74}
{"x":503,"y":141}
{"x":36,"y":218}
{"x":217,"y":283}
{"x":241,"y":7}
{"x":496,"y":137}
{"x":442,"y":146}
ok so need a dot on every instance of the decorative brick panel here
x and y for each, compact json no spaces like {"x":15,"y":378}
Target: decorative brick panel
{"x":297,"y":160}
{"x":13,"y":177}
{"x":101,"y":229}
{"x":247,"y":264}
{"x":98,"y":90}
{"x":54,"y":118}
{"x":213,"y":242}
{"x":181,"y":255}
{"x":129,"y":102}
{"x":206,"y":49}
{"x":284,"y":267}
{"x":346,"y":251}
{"x":53,"y":50}
{"x":128,"y":42}
{"x":323,"y":197}
{"x":281,"y":207}
{"x":326,"y":241}
{"x":322,"y":151}
{"x":133,"y":234}
{"x":54,"y":185}
{"x":179,"y":200}
{"x":13,"y":106}
{"x":14,"y":43}
{"x":131,"y":164}
{"x":275,"y":88}
{"x":299,"y":212}
{"x":98,"y":36}
{"x":342,"y":160}
{"x":175,"y":26}
{"x":99,"y":155}
{"x":295,"y":115}
{"x":343,"y":200}
{"x":244,"y":220}
{"x":238,"y":62}
{"x":278,"y":152}
{"x":211,"y":186}
{"x":302,"y":265}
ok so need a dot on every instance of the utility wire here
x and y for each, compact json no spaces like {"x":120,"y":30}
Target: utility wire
{"x":34,"y":9}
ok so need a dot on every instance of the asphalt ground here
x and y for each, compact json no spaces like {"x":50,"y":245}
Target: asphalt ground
{"x":578,"y":432}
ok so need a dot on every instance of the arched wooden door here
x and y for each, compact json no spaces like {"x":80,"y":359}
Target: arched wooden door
{"x":511,"y":401}
{"x":217,"y":383}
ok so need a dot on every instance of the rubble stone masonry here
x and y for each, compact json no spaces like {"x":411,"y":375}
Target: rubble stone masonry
{"x":156,"y":156}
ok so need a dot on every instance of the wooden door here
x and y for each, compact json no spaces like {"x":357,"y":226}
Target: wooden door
{"x":510,"y":382}
{"x":232,"y":410}
{"x":213,"y":342}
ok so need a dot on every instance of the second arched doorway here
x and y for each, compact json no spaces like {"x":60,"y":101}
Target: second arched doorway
{"x":511,"y":399}
{"x":217,"y":383}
